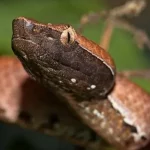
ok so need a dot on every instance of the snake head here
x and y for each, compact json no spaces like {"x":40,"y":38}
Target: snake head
{"x":60,"y":57}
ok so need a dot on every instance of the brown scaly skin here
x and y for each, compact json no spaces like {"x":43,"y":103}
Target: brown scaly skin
{"x":106,"y":119}
{"x":20,"y":108}
{"x":117,"y":118}
{"x":41,"y":111}
{"x":18,"y":103}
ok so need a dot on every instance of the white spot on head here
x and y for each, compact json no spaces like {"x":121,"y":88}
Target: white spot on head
{"x":87,"y":109}
{"x":60,"y":81}
{"x":73,"y":80}
{"x":93,"y":86}
{"x":50,"y":38}
{"x":98,"y":114}
{"x":88,"y":88}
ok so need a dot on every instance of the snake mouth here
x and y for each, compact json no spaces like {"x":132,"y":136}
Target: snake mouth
{"x":19,"y":48}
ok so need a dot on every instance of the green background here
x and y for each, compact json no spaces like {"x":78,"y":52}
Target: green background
{"x":122,"y":48}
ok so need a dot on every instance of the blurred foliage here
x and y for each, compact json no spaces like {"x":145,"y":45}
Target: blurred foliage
{"x":55,"y":11}
{"x":123,"y":49}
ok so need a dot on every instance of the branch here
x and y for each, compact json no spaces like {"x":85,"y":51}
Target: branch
{"x":137,"y":73}
{"x":115,"y":16}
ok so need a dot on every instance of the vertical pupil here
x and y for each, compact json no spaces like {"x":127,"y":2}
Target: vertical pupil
{"x":68,"y":34}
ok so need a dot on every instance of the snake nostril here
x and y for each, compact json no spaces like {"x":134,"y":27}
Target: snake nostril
{"x":28,"y":25}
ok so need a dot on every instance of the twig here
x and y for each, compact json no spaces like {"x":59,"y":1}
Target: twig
{"x":106,"y":37}
{"x":130,"y":9}
{"x":137,"y":73}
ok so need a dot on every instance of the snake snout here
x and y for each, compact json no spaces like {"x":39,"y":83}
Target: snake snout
{"x":22,"y":28}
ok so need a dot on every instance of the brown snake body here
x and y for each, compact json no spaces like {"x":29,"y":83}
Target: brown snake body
{"x":21,"y":106}
{"x":41,"y":111}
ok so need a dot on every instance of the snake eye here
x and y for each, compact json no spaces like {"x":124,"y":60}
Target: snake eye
{"x":68,"y":36}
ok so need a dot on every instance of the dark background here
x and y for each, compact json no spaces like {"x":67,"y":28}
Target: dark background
{"x":123,"y":49}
